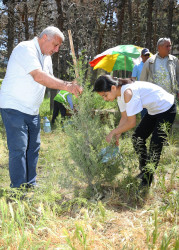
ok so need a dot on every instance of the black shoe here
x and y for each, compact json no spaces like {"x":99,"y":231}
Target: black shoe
{"x":146,"y":179}
{"x":140,"y":176}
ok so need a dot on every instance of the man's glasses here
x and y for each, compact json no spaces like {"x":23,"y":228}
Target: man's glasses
{"x":147,"y":55}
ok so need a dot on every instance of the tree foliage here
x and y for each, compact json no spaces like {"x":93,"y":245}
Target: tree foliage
{"x":95,"y":25}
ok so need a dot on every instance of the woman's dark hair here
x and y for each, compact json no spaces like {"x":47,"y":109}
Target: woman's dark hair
{"x":104,"y":83}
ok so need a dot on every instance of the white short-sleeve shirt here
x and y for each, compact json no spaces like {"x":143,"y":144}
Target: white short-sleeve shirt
{"x":145,"y":95}
{"x":19,"y":90}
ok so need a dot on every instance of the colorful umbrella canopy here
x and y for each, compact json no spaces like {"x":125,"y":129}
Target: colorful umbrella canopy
{"x":121,"y":57}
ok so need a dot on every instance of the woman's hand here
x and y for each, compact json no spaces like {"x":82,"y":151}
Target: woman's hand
{"x":117,"y":139}
{"x":110,"y":136}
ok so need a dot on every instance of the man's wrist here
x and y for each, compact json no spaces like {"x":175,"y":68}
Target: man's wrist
{"x":67,"y":86}
{"x":65,"y":83}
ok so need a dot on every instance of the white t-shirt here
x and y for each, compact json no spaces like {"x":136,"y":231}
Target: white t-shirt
{"x":145,"y":95}
{"x":19,"y":90}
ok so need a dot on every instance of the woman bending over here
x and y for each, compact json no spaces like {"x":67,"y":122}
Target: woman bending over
{"x":132,"y":97}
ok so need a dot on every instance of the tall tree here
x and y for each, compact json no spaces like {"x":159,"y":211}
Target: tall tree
{"x":56,"y":70}
{"x":149,"y":24}
{"x":35,"y":17}
{"x":120,"y":17}
{"x":130,"y":21}
{"x":26,"y":22}
{"x":10,"y":25}
{"x":138,"y":33}
{"x":170,"y":17}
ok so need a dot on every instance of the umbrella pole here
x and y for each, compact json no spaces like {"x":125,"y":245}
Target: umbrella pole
{"x":125,"y":65}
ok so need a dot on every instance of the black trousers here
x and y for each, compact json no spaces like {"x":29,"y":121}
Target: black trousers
{"x":158,"y":126}
{"x":58,"y":107}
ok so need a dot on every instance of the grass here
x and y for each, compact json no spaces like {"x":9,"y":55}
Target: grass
{"x":1,"y":82}
{"x":58,"y":216}
{"x":2,"y":72}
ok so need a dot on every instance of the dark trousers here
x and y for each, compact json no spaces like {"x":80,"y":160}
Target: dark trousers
{"x":158,"y":126}
{"x":143,"y":112}
{"x":58,"y":107}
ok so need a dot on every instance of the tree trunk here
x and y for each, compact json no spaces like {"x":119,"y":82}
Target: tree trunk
{"x":149,"y":24}
{"x":156,"y":28}
{"x":101,"y":30}
{"x":170,"y":17}
{"x":53,"y":92}
{"x":130,"y":21}
{"x":60,"y":21}
{"x":10,"y":27}
{"x":26,"y":23}
{"x":120,"y":17}
{"x":138,"y":25}
{"x":35,"y":17}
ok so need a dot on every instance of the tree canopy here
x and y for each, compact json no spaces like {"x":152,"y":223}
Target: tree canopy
{"x":95,"y":25}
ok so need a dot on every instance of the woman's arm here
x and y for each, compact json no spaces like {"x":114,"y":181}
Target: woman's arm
{"x":126,"y":122}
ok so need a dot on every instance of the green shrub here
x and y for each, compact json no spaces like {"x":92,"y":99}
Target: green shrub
{"x":86,"y":138}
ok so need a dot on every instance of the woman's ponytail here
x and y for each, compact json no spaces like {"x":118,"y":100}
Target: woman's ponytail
{"x":124,"y":81}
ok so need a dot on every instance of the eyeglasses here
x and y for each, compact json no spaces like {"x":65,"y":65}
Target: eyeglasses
{"x":147,"y":55}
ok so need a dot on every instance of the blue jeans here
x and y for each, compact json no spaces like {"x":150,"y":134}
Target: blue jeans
{"x":23,"y":139}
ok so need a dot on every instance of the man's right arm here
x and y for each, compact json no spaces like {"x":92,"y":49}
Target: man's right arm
{"x":54,"y":83}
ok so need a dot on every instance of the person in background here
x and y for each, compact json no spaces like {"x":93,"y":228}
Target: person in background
{"x":132,"y":98}
{"x":136,"y":72}
{"x":29,"y":72}
{"x":162,"y":68}
{"x":61,"y":99}
{"x":145,"y":54}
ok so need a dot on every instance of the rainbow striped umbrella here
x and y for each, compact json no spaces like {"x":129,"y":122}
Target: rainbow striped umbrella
{"x":121,"y":57}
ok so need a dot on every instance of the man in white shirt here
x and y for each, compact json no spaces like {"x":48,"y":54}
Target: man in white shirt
{"x":162,"y":68}
{"x":29,"y":72}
